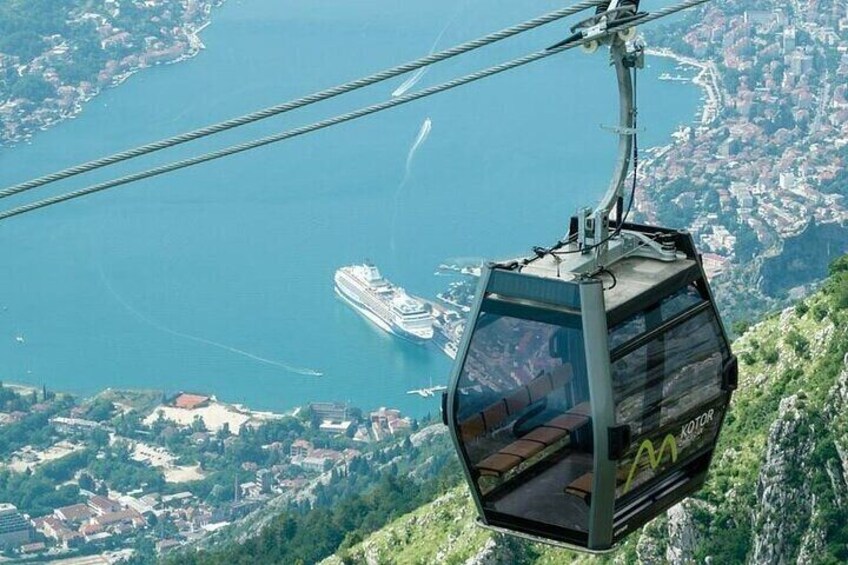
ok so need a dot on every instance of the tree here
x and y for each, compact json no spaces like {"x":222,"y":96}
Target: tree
{"x":86,"y":482}
{"x":101,"y":409}
{"x":739,"y":327}
{"x":747,"y":242}
{"x":837,"y":285}
{"x":100,"y":438}
{"x":33,"y":88}
{"x":25,"y":44}
{"x":198,"y":425}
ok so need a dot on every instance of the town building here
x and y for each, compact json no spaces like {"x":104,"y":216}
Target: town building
{"x":338,"y":411}
{"x":300,"y":448}
{"x":15,"y":529}
{"x":315,"y":464}
{"x":339,"y":427}
{"x":74,"y":514}
{"x":68,"y":425}
{"x":383,"y":416}
{"x":56,"y":530}
{"x":177,"y":499}
{"x":102,"y":505}
{"x":191,"y":401}
{"x":121,"y":521}
{"x":389,"y":419}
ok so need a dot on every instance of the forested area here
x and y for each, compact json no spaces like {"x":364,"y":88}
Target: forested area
{"x":335,"y":523}
{"x":28,"y":28}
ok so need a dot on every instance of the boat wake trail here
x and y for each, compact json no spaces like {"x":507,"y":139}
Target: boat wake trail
{"x":156,"y":325}
{"x":422,"y":136}
{"x":416,"y":76}
{"x":410,"y":82}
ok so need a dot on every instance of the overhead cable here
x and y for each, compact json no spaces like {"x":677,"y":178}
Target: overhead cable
{"x":301,"y":102}
{"x":406,"y":98}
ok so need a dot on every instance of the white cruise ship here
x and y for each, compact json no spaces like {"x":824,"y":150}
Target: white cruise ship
{"x":388,"y":306}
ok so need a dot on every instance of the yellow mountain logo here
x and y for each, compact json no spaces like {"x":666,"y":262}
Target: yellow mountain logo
{"x":654,"y":456}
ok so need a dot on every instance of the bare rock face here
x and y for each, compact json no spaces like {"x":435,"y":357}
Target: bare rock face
{"x":835,"y":413}
{"x":486,"y":556}
{"x":813,"y":541}
{"x":837,"y":482}
{"x":784,"y":500}
{"x":499,"y":550}
{"x":428,"y":434}
{"x":835,"y":410}
{"x":683,"y":533}
{"x":649,"y":548}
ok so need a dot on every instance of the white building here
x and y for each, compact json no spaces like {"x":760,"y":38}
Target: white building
{"x":15,"y":530}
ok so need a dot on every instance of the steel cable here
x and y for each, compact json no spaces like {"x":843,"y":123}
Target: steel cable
{"x":232,"y":150}
{"x":300,"y":102}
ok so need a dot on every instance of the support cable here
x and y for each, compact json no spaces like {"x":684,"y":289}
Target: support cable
{"x":300,"y":102}
{"x":185,"y":163}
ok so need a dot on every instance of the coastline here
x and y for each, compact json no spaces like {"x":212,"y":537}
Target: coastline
{"x":55,"y":115}
{"x":707,"y":80}
{"x":355,"y":371}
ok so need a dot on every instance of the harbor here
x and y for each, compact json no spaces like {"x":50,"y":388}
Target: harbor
{"x":674,"y":78}
{"x":706,"y":79}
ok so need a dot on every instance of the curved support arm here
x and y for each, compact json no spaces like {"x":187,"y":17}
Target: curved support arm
{"x":615,"y":192}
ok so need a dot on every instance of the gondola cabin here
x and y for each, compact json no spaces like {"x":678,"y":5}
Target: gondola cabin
{"x":585,"y":402}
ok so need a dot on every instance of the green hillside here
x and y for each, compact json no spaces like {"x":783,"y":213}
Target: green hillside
{"x":777,"y":492}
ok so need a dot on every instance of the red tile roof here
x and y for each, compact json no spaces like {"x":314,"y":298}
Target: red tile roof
{"x":73,"y":513}
{"x":190,"y":401}
{"x":101,"y":504}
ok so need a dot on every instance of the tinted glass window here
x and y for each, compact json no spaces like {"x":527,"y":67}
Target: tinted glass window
{"x":694,"y":353}
{"x":643,"y":322}
{"x":659,"y":387}
{"x":680,"y":301}
{"x":523,"y":417}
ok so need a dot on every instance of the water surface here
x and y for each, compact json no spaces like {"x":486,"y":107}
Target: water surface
{"x":196,"y":280}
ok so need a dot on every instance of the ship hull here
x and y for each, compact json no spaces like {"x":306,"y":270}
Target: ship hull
{"x":372,"y":317}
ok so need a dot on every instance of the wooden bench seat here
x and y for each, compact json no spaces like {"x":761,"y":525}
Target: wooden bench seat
{"x":498,"y":464}
{"x":518,"y":400}
{"x":532,"y":443}
{"x":546,"y":435}
{"x":581,"y":487}
{"x":524,"y":448}
{"x":497,"y":414}
{"x":472,"y":428}
{"x":584,"y":409}
{"x":513,"y":404}
{"x":494,"y":415}
{"x":568,"y":421}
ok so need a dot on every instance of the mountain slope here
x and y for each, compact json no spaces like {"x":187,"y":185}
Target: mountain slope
{"x":777,"y":492}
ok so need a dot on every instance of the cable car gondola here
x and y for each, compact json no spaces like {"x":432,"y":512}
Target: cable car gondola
{"x":593,"y":377}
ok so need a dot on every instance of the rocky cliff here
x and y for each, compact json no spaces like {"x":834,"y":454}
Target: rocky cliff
{"x":777,"y":491}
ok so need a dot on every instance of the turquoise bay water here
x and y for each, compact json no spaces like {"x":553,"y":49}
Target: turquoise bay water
{"x":212,"y":278}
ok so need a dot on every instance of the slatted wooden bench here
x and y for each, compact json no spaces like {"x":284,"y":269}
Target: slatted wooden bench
{"x":491,"y":417}
{"x":537,"y":439}
{"x":581,"y":487}
{"x":533,"y":442}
